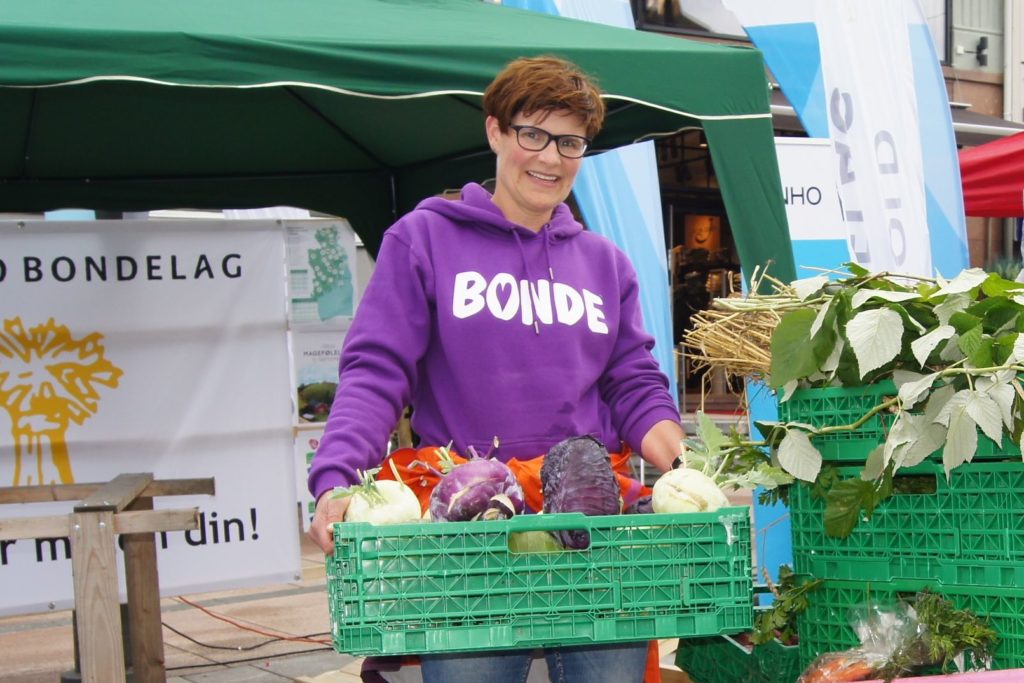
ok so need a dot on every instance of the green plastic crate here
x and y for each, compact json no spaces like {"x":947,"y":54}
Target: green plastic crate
{"x":456,"y":586}
{"x":721,"y":659}
{"x":969,"y":531}
{"x":824,"y":626}
{"x":835,"y":406}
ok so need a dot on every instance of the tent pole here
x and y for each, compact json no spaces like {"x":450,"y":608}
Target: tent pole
{"x":1008,"y":230}
{"x":988,"y":241}
{"x":394,"y":197}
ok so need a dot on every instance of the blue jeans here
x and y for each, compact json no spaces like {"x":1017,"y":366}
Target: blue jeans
{"x":613,"y":663}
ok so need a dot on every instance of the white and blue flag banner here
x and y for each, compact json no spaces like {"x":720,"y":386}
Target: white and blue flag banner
{"x":864,"y":74}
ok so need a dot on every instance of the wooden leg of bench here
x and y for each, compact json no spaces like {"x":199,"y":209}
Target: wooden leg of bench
{"x":94,"y":566}
{"x":143,"y":588}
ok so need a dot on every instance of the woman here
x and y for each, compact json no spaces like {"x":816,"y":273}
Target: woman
{"x":498,"y":315}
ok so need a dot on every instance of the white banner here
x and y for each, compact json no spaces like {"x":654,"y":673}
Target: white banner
{"x":153,"y":346}
{"x":813,"y":210}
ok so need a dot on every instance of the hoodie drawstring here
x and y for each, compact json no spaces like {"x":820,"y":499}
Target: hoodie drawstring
{"x":526,"y":269}
{"x":547,"y":255}
{"x":531,"y":283}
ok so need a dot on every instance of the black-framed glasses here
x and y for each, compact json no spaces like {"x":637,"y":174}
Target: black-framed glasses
{"x":534,"y":139}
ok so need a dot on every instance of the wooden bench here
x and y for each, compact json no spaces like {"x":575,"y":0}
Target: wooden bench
{"x":122,"y":506}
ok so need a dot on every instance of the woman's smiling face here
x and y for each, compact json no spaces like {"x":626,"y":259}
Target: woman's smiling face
{"x":529,"y":185}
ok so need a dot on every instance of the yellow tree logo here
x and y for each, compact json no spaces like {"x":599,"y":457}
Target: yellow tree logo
{"x":47,"y":381}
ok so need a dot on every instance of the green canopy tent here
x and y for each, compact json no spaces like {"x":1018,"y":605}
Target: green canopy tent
{"x":352,"y":107}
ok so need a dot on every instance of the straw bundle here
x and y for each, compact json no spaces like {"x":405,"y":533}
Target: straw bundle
{"x":736,"y":342}
{"x":735,"y":334}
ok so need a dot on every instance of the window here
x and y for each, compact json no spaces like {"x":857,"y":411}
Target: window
{"x":712,"y":17}
{"x":688,"y":16}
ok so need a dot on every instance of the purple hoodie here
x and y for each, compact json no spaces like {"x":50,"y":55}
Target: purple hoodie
{"x":489,"y":329}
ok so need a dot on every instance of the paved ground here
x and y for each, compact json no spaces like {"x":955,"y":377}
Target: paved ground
{"x":200,"y":648}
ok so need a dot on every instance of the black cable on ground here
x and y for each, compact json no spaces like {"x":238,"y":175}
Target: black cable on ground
{"x":245,"y":661}
{"x":235,"y":648}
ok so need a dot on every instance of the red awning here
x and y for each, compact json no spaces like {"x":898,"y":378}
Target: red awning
{"x":993,"y":178}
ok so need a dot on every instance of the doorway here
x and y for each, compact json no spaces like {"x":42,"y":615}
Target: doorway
{"x":702,"y":257}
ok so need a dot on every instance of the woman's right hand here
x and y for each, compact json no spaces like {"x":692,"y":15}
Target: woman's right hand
{"x":328,"y":511}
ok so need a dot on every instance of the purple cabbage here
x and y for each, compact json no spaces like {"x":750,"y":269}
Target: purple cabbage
{"x":480,"y":488}
{"x":577,"y":476}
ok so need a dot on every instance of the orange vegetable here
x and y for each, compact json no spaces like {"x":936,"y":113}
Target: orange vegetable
{"x":838,"y":667}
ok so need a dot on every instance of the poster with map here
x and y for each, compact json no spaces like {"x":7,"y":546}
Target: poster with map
{"x":321,"y":274}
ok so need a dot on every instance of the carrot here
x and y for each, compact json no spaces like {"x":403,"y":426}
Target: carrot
{"x":837,"y":668}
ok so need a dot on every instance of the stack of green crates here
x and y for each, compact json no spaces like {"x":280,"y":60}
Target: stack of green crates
{"x":846,"y":405}
{"x":722,"y":659}
{"x":962,"y":538}
{"x":457,"y":586}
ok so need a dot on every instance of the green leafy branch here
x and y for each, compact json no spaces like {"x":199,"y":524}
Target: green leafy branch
{"x":731,"y":461}
{"x":779,"y":620}
{"x":952,"y":348}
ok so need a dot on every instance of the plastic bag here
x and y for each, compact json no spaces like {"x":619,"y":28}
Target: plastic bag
{"x":887,"y":633}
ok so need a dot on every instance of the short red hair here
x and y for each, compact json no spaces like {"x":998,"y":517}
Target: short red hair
{"x":533,"y":84}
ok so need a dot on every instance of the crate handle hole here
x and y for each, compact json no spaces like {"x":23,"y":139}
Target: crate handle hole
{"x":914,"y":484}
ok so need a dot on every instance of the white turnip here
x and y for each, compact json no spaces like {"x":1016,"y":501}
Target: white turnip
{"x":687,"y":490}
{"x":379,"y":502}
